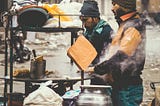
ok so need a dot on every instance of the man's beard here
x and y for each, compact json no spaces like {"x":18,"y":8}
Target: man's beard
{"x":91,"y":27}
{"x":119,"y":13}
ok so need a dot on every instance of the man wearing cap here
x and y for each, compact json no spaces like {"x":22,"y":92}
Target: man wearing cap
{"x":126,"y":57}
{"x":97,"y":30}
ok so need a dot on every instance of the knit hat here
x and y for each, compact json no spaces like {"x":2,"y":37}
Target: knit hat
{"x":90,"y":8}
{"x":129,"y":4}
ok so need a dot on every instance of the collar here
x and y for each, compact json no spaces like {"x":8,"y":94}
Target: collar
{"x":127,"y":16}
{"x":98,"y":28}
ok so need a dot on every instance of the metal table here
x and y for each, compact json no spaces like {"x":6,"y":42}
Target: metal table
{"x":70,"y":81}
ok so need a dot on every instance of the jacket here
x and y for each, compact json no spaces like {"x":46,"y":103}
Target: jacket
{"x":99,"y":37}
{"x":126,"y":57}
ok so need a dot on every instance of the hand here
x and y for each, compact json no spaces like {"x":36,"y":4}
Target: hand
{"x":90,"y":70}
{"x":106,"y":77}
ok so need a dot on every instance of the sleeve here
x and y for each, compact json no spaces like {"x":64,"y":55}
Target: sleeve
{"x":130,"y":41}
{"x":112,"y":65}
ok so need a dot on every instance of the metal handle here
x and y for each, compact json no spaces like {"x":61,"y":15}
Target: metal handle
{"x":34,"y":53}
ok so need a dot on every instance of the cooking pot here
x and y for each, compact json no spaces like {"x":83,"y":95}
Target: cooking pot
{"x":32,"y":17}
{"x":37,"y":69}
{"x":17,"y":99}
{"x":94,"y":95}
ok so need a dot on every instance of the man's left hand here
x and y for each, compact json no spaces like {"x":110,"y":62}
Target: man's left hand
{"x":106,"y":77}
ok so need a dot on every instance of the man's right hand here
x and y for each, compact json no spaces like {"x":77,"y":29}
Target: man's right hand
{"x":90,"y":70}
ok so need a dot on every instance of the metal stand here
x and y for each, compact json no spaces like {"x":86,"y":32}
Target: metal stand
{"x":7,"y":28}
{"x":11,"y":62}
{"x":6,"y":63}
{"x":82,"y":77}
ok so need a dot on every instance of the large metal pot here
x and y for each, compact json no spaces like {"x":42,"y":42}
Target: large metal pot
{"x":33,"y":17}
{"x":94,"y":95}
{"x":37,"y":69}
